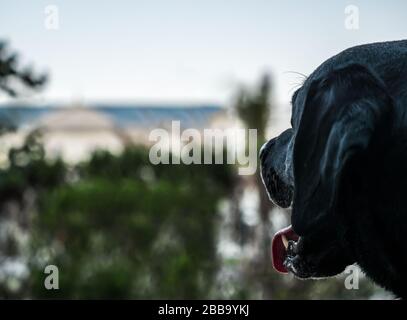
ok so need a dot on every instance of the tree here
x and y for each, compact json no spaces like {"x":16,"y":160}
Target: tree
{"x":27,"y":170}
{"x":27,"y":177}
{"x":14,"y":79}
{"x":254,"y":109}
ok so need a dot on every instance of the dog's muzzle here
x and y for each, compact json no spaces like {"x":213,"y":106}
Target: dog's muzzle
{"x":279,"y":192}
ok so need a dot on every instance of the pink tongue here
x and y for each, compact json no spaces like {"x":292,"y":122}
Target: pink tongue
{"x":278,"y":249}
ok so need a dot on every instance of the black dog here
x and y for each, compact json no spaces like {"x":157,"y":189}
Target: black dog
{"x":343,"y":168}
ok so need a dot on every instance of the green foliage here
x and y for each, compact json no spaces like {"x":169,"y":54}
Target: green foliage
{"x":28,"y":169}
{"x":119,"y":227}
{"x":128,"y":229}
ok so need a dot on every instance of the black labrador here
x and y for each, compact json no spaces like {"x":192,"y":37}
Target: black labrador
{"x":342,"y":167}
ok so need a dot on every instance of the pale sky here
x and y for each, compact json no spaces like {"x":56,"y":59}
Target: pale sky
{"x":184,"y":50}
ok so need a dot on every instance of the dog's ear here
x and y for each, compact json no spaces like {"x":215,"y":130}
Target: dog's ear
{"x":342,"y":113}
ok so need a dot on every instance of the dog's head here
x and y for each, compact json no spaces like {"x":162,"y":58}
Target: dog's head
{"x":336,"y":117}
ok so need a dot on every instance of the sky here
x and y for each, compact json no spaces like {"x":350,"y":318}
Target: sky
{"x":185,"y":51}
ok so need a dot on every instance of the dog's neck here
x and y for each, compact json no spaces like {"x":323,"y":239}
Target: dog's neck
{"x":374,"y":208}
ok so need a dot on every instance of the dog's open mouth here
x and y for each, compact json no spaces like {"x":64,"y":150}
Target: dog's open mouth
{"x":282,"y":246}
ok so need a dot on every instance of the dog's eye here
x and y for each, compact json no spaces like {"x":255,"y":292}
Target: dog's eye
{"x":294,"y":96}
{"x":293,"y":113}
{"x":293,"y":99}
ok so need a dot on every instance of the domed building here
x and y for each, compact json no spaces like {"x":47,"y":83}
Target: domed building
{"x":74,"y":133}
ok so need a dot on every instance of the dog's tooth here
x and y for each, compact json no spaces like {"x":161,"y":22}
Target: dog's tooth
{"x":285,"y":241}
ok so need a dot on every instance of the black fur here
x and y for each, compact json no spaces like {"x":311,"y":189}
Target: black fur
{"x":343,"y":166}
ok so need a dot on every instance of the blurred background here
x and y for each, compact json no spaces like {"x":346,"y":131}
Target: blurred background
{"x":82,"y":84}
